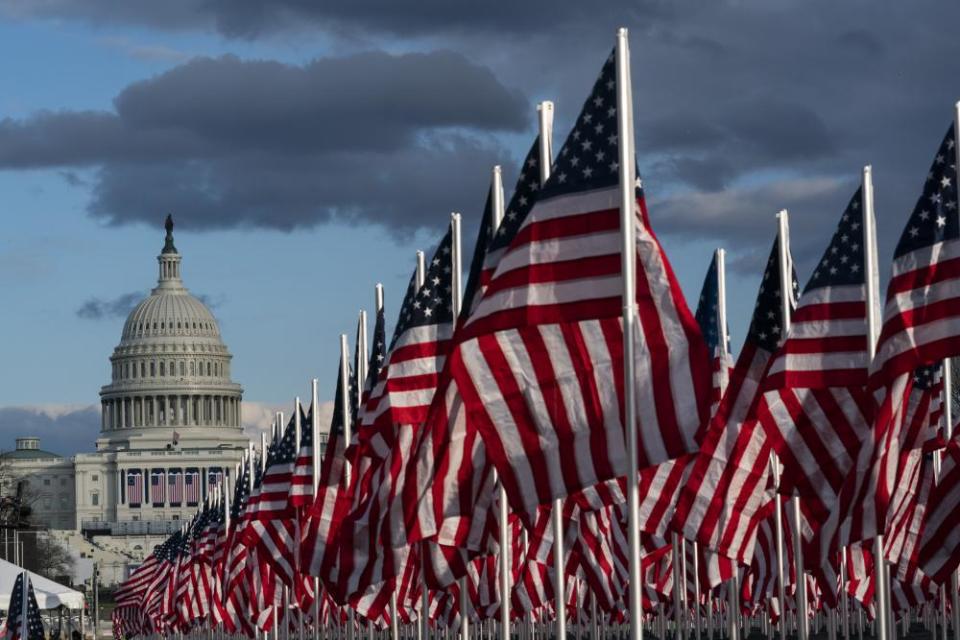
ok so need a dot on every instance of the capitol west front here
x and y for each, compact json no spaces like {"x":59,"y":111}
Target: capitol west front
{"x":170,"y":430}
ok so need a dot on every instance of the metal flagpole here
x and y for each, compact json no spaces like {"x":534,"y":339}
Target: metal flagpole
{"x":24,"y":618}
{"x":679,"y":585}
{"x":545,"y":119}
{"x":315,"y":434}
{"x":786,"y":296}
{"x":948,"y":413}
{"x":629,"y":258}
{"x":457,"y":300}
{"x":732,"y":604}
{"x":498,"y":211}
{"x":696,"y":590}
{"x":945,"y":393}
{"x":873,"y":324}
{"x":844,"y":598}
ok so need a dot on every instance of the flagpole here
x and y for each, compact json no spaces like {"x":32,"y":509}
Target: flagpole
{"x":361,"y":372}
{"x":679,"y":584}
{"x":775,"y":463}
{"x":315,"y":433}
{"x":24,"y":617}
{"x":498,"y":211}
{"x":545,"y":120}
{"x":457,"y":301}
{"x":948,"y":407}
{"x":720,"y":256}
{"x":629,"y":257}
{"x":873,"y":302}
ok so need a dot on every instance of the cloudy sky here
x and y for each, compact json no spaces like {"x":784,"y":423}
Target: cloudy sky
{"x":307,"y":149}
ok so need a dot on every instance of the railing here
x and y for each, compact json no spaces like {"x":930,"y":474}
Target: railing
{"x":132,"y":527}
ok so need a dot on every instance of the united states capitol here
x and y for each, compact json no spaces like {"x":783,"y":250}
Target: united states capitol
{"x":170,"y":433}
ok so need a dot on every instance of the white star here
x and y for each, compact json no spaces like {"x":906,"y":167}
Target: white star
{"x":924,"y":215}
{"x":945,"y":182}
{"x":941,"y":221}
{"x":600,"y":156}
{"x":913,"y":231}
{"x":854,"y":268}
{"x":614,"y":166}
{"x":587,"y":172}
{"x":574,"y":161}
{"x":561,"y":177}
{"x":522,"y":200}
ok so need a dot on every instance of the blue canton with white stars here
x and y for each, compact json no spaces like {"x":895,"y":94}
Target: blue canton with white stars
{"x":433,"y":302}
{"x":589,"y":159}
{"x":927,"y":376}
{"x":515,"y":212}
{"x":378,"y":355}
{"x":934,"y":218}
{"x":522,"y":200}
{"x":306,"y":433}
{"x":15,"y":614}
{"x":241,"y":493}
{"x":337,"y":423}
{"x":766,"y":330}
{"x":708,"y":308}
{"x":284,"y":452}
{"x":843,"y":261}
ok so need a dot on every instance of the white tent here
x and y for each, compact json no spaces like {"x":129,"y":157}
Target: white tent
{"x":50,"y":594}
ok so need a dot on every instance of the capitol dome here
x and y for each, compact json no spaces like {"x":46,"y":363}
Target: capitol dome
{"x":170,"y":374}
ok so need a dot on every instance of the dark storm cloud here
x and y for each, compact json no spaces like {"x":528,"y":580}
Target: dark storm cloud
{"x":742,"y":108}
{"x":373,"y":138}
{"x":252,"y":18}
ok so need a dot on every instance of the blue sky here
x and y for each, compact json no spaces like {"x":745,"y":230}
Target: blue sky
{"x":742,"y":109}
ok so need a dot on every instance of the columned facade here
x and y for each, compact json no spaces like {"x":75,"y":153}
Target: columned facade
{"x":170,"y":413}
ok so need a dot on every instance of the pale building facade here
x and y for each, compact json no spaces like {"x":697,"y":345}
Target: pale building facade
{"x":170,"y":426}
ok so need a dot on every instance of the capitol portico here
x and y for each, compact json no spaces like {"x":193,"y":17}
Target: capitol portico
{"x":170,"y":424}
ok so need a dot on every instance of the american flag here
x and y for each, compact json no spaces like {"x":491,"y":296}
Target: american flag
{"x":456,"y":477}
{"x":273,"y":525}
{"x":191,"y":486}
{"x":214,"y":479}
{"x":301,"y":484}
{"x":816,"y":410}
{"x":921,"y":325}
{"x":318,"y":551}
{"x":134,"y":487}
{"x":939,"y":543}
{"x":23,"y":623}
{"x":708,"y":318}
{"x":727,"y":482}
{"x":406,"y":388}
{"x":175,"y":487}
{"x":542,"y":351}
{"x":156,"y":487}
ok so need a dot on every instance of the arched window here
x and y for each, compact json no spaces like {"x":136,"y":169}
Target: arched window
{"x":143,"y":369}
{"x":193,"y":368}
{"x":208,"y":368}
{"x":153,"y":369}
{"x":162,"y":368}
{"x":172,"y":369}
{"x":183,"y":368}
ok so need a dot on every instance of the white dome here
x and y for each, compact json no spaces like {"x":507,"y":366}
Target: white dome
{"x":171,"y":370}
{"x":170,"y":312}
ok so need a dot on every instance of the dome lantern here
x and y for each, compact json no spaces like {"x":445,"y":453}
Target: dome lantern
{"x":169,"y":260}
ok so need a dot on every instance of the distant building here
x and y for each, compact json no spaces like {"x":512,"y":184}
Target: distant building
{"x":170,"y":428}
